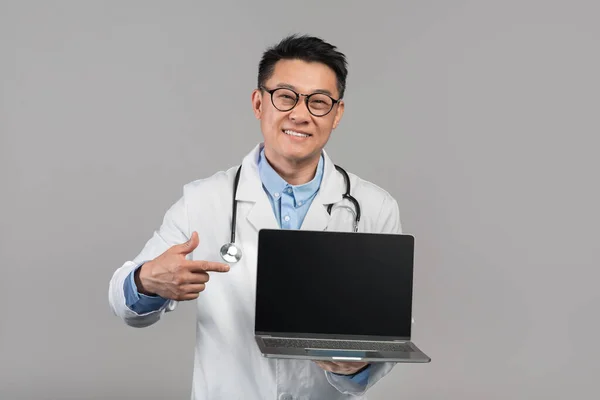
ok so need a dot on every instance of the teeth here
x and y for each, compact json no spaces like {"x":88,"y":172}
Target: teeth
{"x":292,"y":133}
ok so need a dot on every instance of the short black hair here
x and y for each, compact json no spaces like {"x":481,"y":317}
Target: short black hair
{"x":305,"y":48}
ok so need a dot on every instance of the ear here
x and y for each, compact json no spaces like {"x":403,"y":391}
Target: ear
{"x":257,"y":103}
{"x":339,"y":112}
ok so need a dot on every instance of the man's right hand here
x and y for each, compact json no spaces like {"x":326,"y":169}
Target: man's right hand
{"x":173,"y":277}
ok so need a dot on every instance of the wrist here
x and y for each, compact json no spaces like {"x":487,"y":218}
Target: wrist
{"x":141,"y":279}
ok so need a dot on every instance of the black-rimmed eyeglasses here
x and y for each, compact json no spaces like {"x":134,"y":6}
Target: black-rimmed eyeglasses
{"x":284,"y":99}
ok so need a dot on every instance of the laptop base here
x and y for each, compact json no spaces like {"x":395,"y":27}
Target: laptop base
{"x":410,"y":354}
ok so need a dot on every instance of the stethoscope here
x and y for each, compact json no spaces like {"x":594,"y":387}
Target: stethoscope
{"x":231,"y":253}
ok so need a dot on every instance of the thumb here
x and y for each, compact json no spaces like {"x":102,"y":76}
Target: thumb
{"x":189,"y":246}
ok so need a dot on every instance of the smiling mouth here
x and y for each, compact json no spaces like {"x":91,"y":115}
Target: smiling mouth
{"x":296,"y":134}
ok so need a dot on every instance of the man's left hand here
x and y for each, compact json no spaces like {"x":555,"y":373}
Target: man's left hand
{"x":343,"y":368}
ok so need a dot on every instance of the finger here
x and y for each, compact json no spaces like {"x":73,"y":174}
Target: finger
{"x":326,"y":365}
{"x":187,"y":247}
{"x":322,"y":364}
{"x":187,"y":296}
{"x":341,"y":367}
{"x":330,"y":366}
{"x":193,"y":288}
{"x":202,"y":266}
{"x":194,"y":278}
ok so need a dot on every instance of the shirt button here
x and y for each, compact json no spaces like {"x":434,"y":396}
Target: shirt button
{"x":289,"y":190}
{"x":300,"y":202}
{"x":276,"y":194}
{"x":286,"y":218}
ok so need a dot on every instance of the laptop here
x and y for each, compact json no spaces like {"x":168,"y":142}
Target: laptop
{"x":337,"y":296}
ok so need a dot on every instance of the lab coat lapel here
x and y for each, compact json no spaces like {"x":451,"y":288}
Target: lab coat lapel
{"x":332,"y":185}
{"x":316,"y":218}
{"x":261,"y":216}
{"x":250,"y":190}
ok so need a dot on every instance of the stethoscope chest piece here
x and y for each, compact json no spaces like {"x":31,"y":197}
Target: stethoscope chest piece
{"x":231,"y":253}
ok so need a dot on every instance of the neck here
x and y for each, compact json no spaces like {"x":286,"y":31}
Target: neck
{"x":294,"y":172}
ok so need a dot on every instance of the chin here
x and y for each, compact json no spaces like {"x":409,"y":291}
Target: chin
{"x":294,"y":152}
{"x":300,"y":156}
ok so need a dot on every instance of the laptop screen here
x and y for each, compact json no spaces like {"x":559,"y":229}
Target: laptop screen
{"x":342,"y":283}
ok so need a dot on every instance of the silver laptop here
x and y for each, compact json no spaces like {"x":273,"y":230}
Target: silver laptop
{"x":338,"y":296}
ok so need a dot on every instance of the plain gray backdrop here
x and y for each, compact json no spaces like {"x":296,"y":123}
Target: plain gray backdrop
{"x":480,"y":117}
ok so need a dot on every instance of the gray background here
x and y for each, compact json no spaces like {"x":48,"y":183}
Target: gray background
{"x":480,"y":117}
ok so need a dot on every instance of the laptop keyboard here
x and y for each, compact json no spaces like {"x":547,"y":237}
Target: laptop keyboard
{"x":336,"y":344}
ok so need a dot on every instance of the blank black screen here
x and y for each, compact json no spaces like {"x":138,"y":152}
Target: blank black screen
{"x":334,"y":283}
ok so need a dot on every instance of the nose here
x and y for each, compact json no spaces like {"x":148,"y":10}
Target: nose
{"x":300,"y":113}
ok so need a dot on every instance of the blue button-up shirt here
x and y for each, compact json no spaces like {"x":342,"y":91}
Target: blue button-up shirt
{"x":290,"y":205}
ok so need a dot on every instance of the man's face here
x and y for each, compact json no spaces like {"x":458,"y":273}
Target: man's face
{"x":279,"y":127}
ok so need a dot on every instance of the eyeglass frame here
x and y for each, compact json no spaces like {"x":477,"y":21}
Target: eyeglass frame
{"x":306,"y":97}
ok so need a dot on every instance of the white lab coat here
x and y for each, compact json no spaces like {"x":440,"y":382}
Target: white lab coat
{"x":228,"y":364}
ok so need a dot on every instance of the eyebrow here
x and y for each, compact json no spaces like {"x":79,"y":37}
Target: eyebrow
{"x":292,"y":87}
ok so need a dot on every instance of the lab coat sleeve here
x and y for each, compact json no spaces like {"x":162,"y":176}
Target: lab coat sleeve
{"x":173,"y":230}
{"x":387,"y":222}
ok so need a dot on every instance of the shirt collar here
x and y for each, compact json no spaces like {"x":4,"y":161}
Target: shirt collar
{"x":275,"y":184}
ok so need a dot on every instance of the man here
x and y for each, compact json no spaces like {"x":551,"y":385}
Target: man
{"x":285,"y":182}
